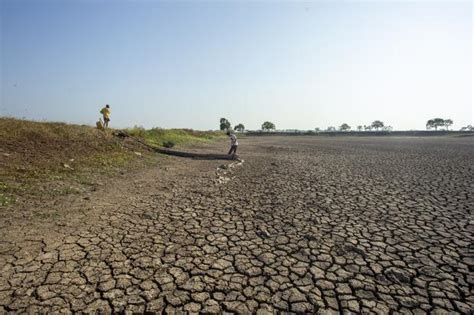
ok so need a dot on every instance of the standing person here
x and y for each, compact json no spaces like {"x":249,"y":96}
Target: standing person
{"x":233,"y":143}
{"x":106,"y":115}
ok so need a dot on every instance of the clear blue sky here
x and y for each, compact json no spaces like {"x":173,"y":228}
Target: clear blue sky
{"x":187,"y":64}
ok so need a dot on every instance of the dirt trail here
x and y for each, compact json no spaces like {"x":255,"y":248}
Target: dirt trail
{"x":306,"y":224}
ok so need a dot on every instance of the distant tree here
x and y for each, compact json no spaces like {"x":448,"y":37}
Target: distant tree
{"x":224,"y":124}
{"x":367,"y":127}
{"x":359,"y":128}
{"x":435,"y":123}
{"x":377,"y":124}
{"x":430,"y":124}
{"x":317,"y":129}
{"x":268,"y":126}
{"x":240,"y":127}
{"x":344,"y":127}
{"x":438,"y":122}
{"x":448,"y":123}
{"x":387,"y":128}
{"x":331,"y":128}
{"x":467,"y":128}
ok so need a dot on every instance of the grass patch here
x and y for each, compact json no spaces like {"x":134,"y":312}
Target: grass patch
{"x":162,"y":137}
{"x":5,"y":198}
{"x":108,"y":160}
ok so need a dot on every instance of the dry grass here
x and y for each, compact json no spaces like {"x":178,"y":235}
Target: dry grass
{"x":18,"y":129}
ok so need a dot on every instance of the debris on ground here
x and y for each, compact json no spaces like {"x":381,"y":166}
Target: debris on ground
{"x":223,"y":171}
{"x":68,"y":166}
{"x":263,"y":232}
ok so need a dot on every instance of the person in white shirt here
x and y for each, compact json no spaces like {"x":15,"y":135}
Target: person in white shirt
{"x":233,"y":143}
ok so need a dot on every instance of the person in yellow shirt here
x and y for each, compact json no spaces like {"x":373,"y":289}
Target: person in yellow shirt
{"x":106,"y":115}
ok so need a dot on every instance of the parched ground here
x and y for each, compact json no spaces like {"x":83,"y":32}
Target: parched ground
{"x":305,"y":224}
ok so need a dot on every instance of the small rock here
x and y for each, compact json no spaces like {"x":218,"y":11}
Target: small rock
{"x":263,"y":233}
{"x":67,"y":166}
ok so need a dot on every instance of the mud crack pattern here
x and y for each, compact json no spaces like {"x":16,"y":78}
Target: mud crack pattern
{"x":306,"y":225}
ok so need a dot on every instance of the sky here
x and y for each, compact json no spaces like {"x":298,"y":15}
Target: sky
{"x":186,"y":64}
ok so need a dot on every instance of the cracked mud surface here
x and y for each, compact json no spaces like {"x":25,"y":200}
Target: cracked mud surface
{"x":305,"y":225}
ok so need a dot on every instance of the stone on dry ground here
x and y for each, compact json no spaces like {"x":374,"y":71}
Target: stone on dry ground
{"x":306,"y":225}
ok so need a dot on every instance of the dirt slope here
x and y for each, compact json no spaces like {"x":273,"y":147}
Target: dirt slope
{"x":43,"y":162}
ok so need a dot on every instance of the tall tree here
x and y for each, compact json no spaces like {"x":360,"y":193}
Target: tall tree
{"x":430,"y":124}
{"x":224,"y":124}
{"x":438,"y":122}
{"x":435,"y":123}
{"x":240,"y":127}
{"x":268,"y":126}
{"x":448,"y":123}
{"x":377,"y":124}
{"x":359,"y":128}
{"x":344,"y":127}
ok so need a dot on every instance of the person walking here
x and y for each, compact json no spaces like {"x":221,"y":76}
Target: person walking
{"x":233,"y":143}
{"x":106,"y":115}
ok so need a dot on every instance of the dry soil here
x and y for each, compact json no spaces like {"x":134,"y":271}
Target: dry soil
{"x":305,"y":225}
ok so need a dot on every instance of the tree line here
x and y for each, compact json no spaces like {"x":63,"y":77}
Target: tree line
{"x":376,"y":125}
{"x":225,"y":125}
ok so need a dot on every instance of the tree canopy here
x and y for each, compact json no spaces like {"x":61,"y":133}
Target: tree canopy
{"x":224,"y":124}
{"x":344,"y":127}
{"x":438,"y":122}
{"x":448,"y":123}
{"x":268,"y":126}
{"x":377,"y":124}
{"x":240,"y":127}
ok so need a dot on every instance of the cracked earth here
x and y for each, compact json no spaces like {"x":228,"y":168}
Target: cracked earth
{"x":305,"y":225}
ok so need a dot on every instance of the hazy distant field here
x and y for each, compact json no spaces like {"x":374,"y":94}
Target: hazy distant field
{"x":304,"y":224}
